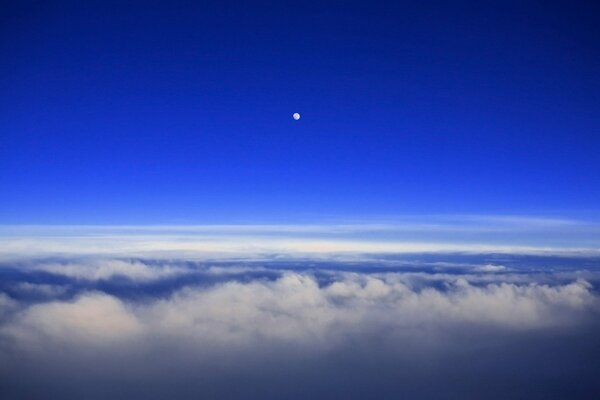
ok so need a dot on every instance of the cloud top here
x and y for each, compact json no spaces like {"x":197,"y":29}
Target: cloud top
{"x":154,"y":328}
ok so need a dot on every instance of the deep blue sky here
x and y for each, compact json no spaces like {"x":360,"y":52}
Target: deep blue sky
{"x":167,"y":112}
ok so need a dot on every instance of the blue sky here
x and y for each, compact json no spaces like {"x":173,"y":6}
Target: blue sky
{"x":181,"y":113}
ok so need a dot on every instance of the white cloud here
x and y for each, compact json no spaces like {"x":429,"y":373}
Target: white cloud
{"x":490,"y":268}
{"x":296,"y":309}
{"x":473,"y":234}
{"x":325,"y":326}
{"x":94,"y":270}
{"x":41,"y":288}
{"x":92,"y":319}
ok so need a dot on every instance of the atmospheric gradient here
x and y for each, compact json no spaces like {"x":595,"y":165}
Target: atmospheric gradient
{"x":299,"y":200}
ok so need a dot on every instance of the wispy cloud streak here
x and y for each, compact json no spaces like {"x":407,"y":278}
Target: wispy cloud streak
{"x":477,"y":234}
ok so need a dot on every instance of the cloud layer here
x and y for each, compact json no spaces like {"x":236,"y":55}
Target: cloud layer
{"x":474,"y":234}
{"x":296,"y":309}
{"x":122,"y":328}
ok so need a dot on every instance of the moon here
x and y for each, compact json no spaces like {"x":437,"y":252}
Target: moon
{"x":296,"y":116}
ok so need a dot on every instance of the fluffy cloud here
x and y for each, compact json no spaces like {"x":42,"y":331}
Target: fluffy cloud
{"x":490,"y":268}
{"x":289,"y":332}
{"x":44,"y":290}
{"x":6,"y":305}
{"x":295,"y":308}
{"x":105,"y":269}
{"x":94,"y":318}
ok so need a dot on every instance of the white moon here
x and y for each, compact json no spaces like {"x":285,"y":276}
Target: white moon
{"x":296,"y":116}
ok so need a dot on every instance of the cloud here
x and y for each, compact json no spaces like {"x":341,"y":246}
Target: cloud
{"x":490,"y":268}
{"x":94,"y":319}
{"x":6,"y":305}
{"x":469,"y":234}
{"x":45,"y":290}
{"x":292,"y":330}
{"x":295,"y":308}
{"x":105,"y":269}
